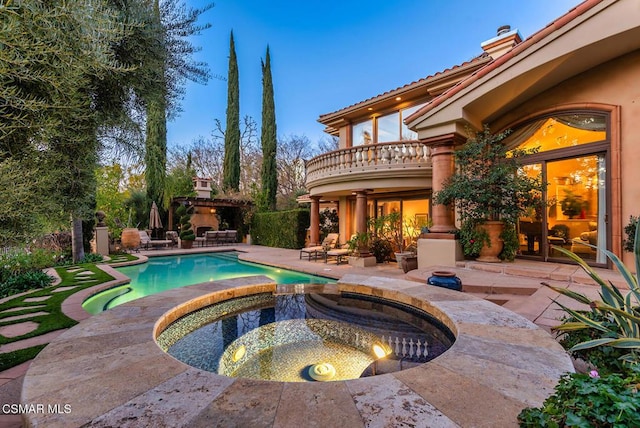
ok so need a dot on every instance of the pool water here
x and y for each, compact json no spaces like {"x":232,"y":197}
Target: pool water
{"x":164,"y":273}
{"x":280,"y":337}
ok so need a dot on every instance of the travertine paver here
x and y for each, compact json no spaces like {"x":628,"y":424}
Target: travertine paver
{"x":23,"y":316}
{"x":36,"y":299}
{"x":112,"y":373}
{"x":385,"y":401}
{"x":61,"y":289}
{"x":23,"y":308}
{"x":15,"y":330}
{"x":32,"y":341}
{"x":85,"y":273}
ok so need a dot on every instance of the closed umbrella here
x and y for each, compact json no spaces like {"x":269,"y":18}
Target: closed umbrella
{"x":154,"y":218}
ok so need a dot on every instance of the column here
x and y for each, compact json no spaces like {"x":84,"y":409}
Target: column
{"x":442,"y":161}
{"x":361,"y":211}
{"x":314,"y":226}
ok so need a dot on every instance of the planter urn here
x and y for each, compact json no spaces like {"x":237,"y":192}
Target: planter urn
{"x":489,"y":254}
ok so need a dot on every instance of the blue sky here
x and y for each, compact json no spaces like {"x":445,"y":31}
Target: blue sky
{"x":329,"y":54}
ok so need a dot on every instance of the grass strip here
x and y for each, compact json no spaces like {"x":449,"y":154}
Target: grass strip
{"x":12,"y":359}
{"x":56,"y":319}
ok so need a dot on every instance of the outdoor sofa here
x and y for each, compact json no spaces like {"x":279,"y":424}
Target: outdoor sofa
{"x":220,"y":237}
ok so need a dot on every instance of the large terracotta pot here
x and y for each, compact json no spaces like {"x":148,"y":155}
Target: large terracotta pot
{"x":130,"y":238}
{"x":409,"y":263}
{"x":186,"y":244}
{"x":490,"y":253}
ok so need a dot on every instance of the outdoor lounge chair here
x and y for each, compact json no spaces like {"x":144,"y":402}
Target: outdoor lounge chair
{"x":341,"y":252}
{"x":172,"y":236}
{"x":146,"y":242}
{"x":328,"y":243}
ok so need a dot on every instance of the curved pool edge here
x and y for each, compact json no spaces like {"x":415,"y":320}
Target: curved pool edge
{"x":111,"y":372}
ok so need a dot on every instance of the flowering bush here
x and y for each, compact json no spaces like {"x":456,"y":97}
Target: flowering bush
{"x":21,"y":270}
{"x":589,"y":400}
{"x":21,"y":261}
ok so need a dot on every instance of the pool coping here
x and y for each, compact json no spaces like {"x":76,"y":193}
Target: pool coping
{"x":108,"y":370}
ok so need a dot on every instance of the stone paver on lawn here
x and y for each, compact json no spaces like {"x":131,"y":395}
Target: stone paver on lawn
{"x":32,"y":341}
{"x":36,"y":299}
{"x":61,"y":289}
{"x":22,"y":308}
{"x":15,"y":330}
{"x":23,"y":316}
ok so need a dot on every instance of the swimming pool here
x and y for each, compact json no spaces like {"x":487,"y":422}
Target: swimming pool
{"x":164,"y":273}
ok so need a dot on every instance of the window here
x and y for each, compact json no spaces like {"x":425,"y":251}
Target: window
{"x":389,"y":127}
{"x":406,"y":133}
{"x":362,"y":133}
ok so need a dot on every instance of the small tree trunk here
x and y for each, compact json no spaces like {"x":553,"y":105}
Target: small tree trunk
{"x":77,"y":246}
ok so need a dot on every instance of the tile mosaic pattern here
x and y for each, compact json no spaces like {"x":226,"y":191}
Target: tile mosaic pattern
{"x":112,"y":373}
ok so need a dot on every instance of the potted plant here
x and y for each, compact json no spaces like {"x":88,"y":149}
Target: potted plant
{"x":490,"y":193}
{"x":359,"y":244}
{"x":187,"y":236}
{"x":359,"y":249}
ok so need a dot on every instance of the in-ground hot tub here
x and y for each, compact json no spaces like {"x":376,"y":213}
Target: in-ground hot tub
{"x":111,"y":372}
{"x":295,"y":335}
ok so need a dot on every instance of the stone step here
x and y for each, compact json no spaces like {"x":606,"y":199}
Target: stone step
{"x":503,"y":289}
{"x":504,"y":300}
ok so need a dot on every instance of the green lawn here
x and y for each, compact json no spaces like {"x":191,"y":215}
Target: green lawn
{"x":75,"y":276}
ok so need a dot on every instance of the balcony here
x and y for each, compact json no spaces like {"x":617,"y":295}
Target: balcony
{"x":400,"y":164}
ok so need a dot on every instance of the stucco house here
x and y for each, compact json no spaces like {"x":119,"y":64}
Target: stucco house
{"x":570,"y":89}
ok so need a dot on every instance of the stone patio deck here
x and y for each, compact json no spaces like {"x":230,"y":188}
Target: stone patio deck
{"x":515,"y":286}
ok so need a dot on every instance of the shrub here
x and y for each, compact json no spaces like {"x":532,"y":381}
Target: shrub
{"x":21,"y":261}
{"x":605,"y":358}
{"x":23,"y":282}
{"x":615,"y":318}
{"x":92,"y":258}
{"x":588,"y":401}
{"x":381,"y":249}
{"x":282,"y":229}
{"x":630,"y":231}
{"x":184,"y":218}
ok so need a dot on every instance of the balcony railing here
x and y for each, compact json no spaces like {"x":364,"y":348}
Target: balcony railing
{"x":369,"y":157}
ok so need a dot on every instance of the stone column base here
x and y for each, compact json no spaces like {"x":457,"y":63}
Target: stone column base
{"x":362,"y":261}
{"x":439,"y":249}
{"x":100,"y":242}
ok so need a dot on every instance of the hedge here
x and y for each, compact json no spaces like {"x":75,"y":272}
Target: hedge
{"x":281,"y":229}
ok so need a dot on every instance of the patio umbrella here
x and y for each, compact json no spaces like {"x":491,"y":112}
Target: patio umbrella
{"x":154,"y":218}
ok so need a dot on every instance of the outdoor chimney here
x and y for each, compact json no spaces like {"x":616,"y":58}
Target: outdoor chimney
{"x":505,"y":39}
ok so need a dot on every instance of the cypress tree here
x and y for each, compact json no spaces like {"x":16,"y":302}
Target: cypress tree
{"x":231,"y":166}
{"x":156,"y":107}
{"x":268,"y":138}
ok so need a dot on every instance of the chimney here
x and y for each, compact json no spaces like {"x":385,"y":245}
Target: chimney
{"x":202,"y":186}
{"x":505,"y":39}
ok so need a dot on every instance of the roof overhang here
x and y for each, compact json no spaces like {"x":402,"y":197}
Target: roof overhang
{"x":589,"y":35}
{"x":422,"y":89}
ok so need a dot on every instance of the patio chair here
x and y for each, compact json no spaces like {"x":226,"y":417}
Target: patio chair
{"x":327,"y":244}
{"x":172,"y":236}
{"x":146,"y":242}
{"x":341,"y":252}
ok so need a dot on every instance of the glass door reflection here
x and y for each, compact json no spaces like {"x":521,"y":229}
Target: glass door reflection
{"x":577,"y":206}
